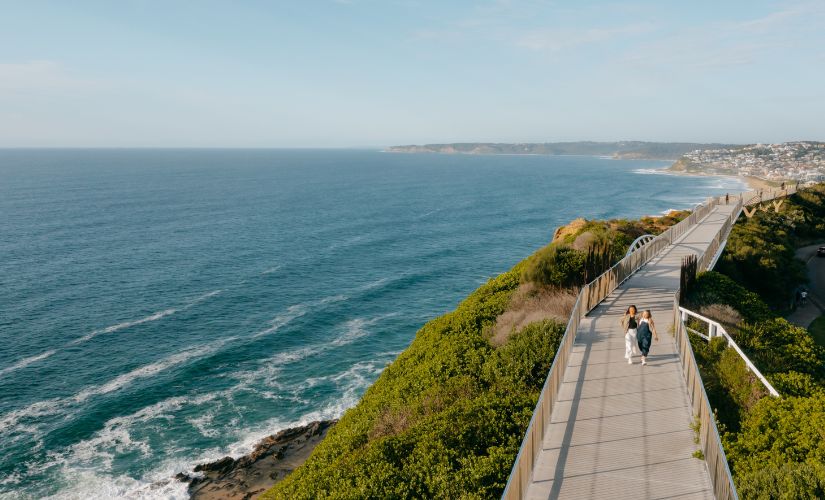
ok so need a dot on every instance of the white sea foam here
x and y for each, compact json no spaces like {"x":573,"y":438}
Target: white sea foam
{"x":292,"y":312}
{"x":653,"y":171}
{"x":86,"y":466}
{"x":202,"y":424}
{"x":427,"y":214}
{"x":92,"y":484}
{"x":11,"y":421}
{"x":126,"y":324}
{"x":296,"y":311}
{"x":272,"y":269}
{"x":203,"y":297}
{"x":26,"y":362}
{"x":355,"y":329}
{"x":152,"y":317}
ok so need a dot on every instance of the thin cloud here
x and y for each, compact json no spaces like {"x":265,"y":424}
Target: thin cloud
{"x":556,"y":40}
{"x":731,"y":44}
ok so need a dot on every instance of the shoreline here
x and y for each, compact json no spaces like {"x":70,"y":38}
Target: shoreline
{"x":752,"y":183}
{"x":249,"y":476}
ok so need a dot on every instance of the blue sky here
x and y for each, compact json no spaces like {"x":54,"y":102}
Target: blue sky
{"x":374,"y":73}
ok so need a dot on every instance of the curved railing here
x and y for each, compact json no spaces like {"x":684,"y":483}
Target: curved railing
{"x":590,"y":296}
{"x":715,"y":329}
{"x":639,"y":243}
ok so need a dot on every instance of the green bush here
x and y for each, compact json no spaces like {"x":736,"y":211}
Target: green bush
{"x":795,"y":384}
{"x":777,"y":346}
{"x":805,"y":481}
{"x":581,"y":255}
{"x":778,"y":431}
{"x":742,"y":385}
{"x":760,"y":250}
{"x":556,"y":265}
{"x":716,"y":288}
{"x":526,"y":357}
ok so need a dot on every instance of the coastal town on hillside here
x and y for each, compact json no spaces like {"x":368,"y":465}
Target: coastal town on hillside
{"x":802,"y":161}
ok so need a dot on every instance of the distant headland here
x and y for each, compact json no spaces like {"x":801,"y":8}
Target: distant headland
{"x":759,"y":164}
{"x":639,"y":150}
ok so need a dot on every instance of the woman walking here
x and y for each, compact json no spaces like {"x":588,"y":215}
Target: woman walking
{"x":643,"y":334}
{"x":630,"y":322}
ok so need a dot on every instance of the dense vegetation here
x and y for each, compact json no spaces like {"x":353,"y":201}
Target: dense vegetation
{"x":775,"y":446}
{"x":446,"y":418}
{"x":760,"y":250}
{"x":585,"y":249}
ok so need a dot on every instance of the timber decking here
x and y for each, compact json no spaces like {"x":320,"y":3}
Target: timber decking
{"x":619,"y":430}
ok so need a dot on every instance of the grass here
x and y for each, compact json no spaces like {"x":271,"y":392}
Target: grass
{"x":817,"y":330}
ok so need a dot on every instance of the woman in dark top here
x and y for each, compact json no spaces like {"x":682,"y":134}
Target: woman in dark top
{"x":643,"y":334}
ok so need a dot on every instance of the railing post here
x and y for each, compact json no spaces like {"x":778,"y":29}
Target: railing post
{"x":711,"y":330}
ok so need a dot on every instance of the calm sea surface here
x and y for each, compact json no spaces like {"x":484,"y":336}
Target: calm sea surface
{"x":164,"y":307}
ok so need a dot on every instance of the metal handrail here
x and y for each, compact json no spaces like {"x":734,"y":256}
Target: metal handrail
{"x":708,"y":433}
{"x":715,"y":329}
{"x":588,"y":298}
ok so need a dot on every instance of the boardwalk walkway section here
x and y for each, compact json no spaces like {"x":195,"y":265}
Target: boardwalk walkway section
{"x":605,"y":429}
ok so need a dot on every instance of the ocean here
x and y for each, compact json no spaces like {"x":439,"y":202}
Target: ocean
{"x":160,"y":308}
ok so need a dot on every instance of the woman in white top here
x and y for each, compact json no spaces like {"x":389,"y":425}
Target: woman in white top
{"x":630,"y":322}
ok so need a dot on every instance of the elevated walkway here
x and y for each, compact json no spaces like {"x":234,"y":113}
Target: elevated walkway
{"x":620,"y":430}
{"x":606,"y":429}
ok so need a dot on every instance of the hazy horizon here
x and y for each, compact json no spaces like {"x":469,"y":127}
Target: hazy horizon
{"x":363,"y":74}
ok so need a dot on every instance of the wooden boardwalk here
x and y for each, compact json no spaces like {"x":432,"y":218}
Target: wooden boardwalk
{"x":620,"y":430}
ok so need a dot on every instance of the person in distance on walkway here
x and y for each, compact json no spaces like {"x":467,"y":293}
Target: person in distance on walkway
{"x":643,"y":334}
{"x":630,"y":321}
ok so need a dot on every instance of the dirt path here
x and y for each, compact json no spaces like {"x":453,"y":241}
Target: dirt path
{"x":804,"y":315}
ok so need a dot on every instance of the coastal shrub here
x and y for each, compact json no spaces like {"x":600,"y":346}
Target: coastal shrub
{"x":555,"y":265}
{"x":805,"y":481}
{"x":775,"y":446}
{"x":760,"y":250}
{"x":778,"y":431}
{"x":723,"y":313}
{"x":714,"y":288}
{"x":777,"y":346}
{"x":739,"y":382}
{"x":531,"y":304}
{"x":708,"y":357}
{"x":793,"y":383}
{"x":526,"y":357}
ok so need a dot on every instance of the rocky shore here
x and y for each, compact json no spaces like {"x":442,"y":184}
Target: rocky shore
{"x":247,"y":477}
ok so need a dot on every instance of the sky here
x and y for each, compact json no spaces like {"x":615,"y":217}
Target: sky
{"x":352,"y":73}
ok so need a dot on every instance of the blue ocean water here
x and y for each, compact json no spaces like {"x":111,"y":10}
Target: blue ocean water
{"x":160,"y":308}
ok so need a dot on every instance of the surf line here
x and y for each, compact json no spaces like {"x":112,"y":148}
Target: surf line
{"x":23,"y":363}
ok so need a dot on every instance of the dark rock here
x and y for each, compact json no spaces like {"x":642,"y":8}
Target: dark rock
{"x":250,"y":475}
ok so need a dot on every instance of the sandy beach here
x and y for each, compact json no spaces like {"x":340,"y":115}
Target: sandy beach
{"x":753,"y":183}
